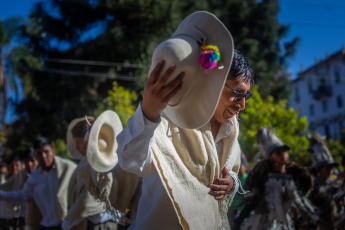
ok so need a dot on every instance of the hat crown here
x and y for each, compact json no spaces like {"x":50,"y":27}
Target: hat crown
{"x":267,"y":141}
{"x":194,"y":104}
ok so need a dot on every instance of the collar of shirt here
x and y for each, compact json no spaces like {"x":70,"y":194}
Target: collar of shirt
{"x":224,"y":131}
{"x":41,"y":170}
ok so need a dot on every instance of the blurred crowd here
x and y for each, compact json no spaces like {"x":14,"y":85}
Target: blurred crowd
{"x":277,"y":193}
{"x":281,"y":194}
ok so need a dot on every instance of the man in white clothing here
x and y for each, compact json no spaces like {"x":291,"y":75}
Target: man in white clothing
{"x":183,"y":137}
{"x":47,"y":186}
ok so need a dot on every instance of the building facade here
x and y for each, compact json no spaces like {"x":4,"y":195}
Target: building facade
{"x":319,"y":94}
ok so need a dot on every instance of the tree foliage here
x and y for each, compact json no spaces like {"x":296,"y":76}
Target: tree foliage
{"x":119,"y":100}
{"x":74,"y":50}
{"x":256,"y":31}
{"x":291,"y":129}
{"x":337,"y":149}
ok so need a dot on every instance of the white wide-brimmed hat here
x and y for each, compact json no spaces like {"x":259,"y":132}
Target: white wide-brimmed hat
{"x":76,"y":155}
{"x":101,"y":149}
{"x":189,"y":49}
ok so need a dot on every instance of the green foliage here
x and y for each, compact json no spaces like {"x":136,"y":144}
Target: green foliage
{"x":61,"y":148}
{"x":291,"y":129}
{"x":256,"y":30}
{"x":337,"y":150}
{"x":119,"y":100}
{"x":3,"y":36}
{"x":124,"y":32}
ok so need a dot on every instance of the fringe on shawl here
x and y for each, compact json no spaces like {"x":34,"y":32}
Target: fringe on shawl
{"x":99,"y":186}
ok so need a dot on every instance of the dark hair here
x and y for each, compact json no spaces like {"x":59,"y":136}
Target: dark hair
{"x":40,"y":142}
{"x":3,"y":164}
{"x":343,"y":161}
{"x":240,"y":68}
{"x":14,"y":158}
{"x":29,"y":153}
{"x":80,"y":129}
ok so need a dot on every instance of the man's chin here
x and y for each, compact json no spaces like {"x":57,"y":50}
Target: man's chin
{"x":228,"y":119}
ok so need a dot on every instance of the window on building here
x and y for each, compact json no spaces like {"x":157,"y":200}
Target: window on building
{"x":297,"y":98}
{"x":324,"y":106}
{"x":322,"y":81}
{"x":311,"y":110}
{"x":327,"y":131}
{"x":310,"y":87}
{"x":337,"y":77}
{"x":339,"y":101}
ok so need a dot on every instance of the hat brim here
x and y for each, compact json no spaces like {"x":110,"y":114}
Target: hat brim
{"x":76,"y":155}
{"x":195,"y":103}
{"x":103,"y":132}
{"x":325,"y":163}
{"x":277,"y":148}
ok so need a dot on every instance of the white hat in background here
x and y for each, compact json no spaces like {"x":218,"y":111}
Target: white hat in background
{"x":76,"y":155}
{"x":101,"y":149}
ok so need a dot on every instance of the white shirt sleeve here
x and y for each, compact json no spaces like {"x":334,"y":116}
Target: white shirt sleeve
{"x":17,"y":197}
{"x":134,"y":143}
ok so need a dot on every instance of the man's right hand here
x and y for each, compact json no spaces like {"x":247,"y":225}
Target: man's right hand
{"x":156,"y":93}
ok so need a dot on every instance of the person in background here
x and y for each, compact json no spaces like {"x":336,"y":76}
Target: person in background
{"x":84,"y":211}
{"x":17,"y":213}
{"x":278,"y":190}
{"x":328,"y":193}
{"x":3,"y":172}
{"x":14,"y":166}
{"x":7,"y":210}
{"x":47,"y":186}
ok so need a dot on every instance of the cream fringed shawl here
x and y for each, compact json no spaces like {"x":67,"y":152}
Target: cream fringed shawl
{"x":114,"y":189}
{"x":81,"y":204}
{"x":187,"y":162}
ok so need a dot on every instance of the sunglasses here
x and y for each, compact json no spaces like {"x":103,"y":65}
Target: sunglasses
{"x":240,"y":96}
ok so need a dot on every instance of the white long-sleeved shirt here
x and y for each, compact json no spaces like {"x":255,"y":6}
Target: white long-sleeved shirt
{"x":155,"y":210}
{"x":42,"y":186}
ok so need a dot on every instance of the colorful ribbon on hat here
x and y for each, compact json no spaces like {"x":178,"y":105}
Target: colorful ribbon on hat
{"x":89,"y":122}
{"x":209,"y":57}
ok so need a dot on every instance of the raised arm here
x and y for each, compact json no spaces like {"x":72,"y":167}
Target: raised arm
{"x":134,"y":141}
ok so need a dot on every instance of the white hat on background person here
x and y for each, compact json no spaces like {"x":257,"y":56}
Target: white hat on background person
{"x":71,"y":145}
{"x":102,"y":145}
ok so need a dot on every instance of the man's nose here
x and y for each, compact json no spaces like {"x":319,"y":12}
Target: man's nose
{"x":242,"y":103}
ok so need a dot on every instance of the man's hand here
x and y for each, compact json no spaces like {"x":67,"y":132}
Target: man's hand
{"x":156,"y":93}
{"x":221,"y":186}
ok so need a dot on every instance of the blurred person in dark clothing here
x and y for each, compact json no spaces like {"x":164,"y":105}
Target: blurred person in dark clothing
{"x":278,"y":190}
